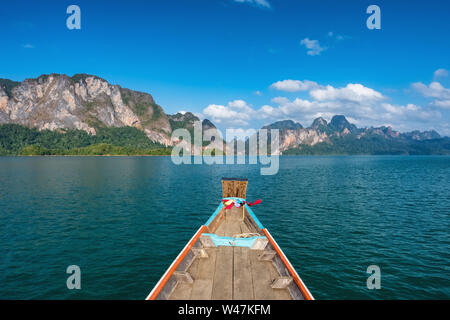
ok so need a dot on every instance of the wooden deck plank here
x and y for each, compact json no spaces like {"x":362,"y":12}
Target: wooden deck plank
{"x":262,"y":278}
{"x":202,"y":289}
{"x":203,"y":278}
{"x":233,"y":222}
{"x":243,"y":282}
{"x":223,"y":275}
{"x":279,"y":294}
{"x":182,"y":291}
{"x":206,"y":267}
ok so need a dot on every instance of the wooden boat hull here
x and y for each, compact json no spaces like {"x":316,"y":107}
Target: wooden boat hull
{"x":231,"y":257}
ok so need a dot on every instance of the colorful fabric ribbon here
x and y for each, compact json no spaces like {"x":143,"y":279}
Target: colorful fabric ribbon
{"x":237,"y":203}
{"x":254,"y":203}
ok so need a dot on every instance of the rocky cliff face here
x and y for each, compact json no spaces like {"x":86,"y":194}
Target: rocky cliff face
{"x":293,"y":134}
{"x":81,"y":102}
{"x":320,"y":125}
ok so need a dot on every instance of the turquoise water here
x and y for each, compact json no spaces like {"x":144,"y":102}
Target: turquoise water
{"x":123,"y":221}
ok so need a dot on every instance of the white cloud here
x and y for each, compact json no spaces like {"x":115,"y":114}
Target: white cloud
{"x":258,"y":93}
{"x":313,"y":46}
{"x":434,"y":90}
{"x":280,"y":100}
{"x":259,"y":3}
{"x":236,"y":112}
{"x":294,"y":85}
{"x":407,"y":117}
{"x":219,"y":112}
{"x":239,"y":104}
{"x":301,"y":110}
{"x":298,"y":105}
{"x":440,"y":73}
{"x":409,"y":111}
{"x":399,"y":109}
{"x":445,"y":104}
{"x":361,"y":105}
{"x":337,"y":37}
{"x":267,"y":111}
{"x":352,"y":92}
{"x":28,"y":46}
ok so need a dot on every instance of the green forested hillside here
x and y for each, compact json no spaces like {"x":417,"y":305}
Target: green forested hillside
{"x":19,"y":140}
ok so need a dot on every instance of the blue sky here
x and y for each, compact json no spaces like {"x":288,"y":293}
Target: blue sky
{"x":228,"y":60}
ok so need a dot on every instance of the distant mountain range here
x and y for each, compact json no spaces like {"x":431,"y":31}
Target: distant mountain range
{"x":341,"y":137}
{"x":56,"y":114}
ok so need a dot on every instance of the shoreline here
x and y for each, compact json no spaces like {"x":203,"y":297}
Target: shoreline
{"x":167,"y":155}
{"x":85,"y":155}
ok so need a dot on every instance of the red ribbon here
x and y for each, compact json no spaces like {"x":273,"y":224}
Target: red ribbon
{"x":254,"y":203}
{"x":229,"y":206}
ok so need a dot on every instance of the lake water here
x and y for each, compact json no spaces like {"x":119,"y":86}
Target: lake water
{"x":124,"y":219}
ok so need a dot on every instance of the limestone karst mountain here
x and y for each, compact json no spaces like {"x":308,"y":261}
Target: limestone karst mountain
{"x":83,"y":102}
{"x":90,"y":104}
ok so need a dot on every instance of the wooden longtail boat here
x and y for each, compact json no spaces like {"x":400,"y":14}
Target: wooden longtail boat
{"x":231,"y":257}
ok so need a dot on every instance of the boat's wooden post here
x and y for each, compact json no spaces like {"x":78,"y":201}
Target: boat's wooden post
{"x":234,"y":187}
